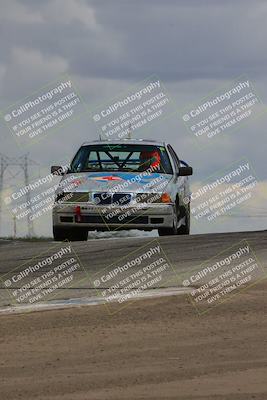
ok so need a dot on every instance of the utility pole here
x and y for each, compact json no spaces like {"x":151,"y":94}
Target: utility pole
{"x":23,"y":162}
{"x":28,"y":196}
{"x":3,"y":167}
{"x":14,"y":226}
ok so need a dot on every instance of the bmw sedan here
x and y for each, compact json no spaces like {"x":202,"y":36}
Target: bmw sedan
{"x":121,"y":185}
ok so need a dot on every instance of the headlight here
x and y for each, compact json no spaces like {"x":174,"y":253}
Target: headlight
{"x":153,"y":198}
{"x":166,"y":198}
{"x":72,"y":197}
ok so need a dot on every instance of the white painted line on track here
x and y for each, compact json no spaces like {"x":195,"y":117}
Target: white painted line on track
{"x":90,"y":301}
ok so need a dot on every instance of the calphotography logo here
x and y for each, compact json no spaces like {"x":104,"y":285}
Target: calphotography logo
{"x":134,"y":111}
{"x":223,"y":276}
{"x":224,"y":111}
{"x":42,"y":112}
{"x":141,"y":270}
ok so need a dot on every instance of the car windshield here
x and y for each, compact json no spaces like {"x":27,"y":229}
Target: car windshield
{"x":121,"y":157}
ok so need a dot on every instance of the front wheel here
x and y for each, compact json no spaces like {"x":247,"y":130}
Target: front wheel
{"x":182,"y":230}
{"x":71,"y":234}
{"x":185,"y":229}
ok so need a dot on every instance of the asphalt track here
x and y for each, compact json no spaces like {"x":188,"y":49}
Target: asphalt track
{"x":184,"y":253}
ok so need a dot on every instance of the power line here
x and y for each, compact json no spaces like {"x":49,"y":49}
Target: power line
{"x":23,"y":162}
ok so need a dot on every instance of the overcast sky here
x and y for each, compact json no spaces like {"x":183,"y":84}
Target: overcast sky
{"x":106,"y":46}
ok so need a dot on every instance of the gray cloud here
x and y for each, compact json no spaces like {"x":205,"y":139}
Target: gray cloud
{"x":127,"y":40}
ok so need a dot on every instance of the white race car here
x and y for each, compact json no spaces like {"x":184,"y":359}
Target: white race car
{"x":124,"y":184}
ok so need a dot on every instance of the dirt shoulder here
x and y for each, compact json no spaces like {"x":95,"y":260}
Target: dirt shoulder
{"x":153,"y":349}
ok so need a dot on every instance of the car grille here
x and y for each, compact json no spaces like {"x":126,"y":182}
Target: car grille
{"x":118,"y":199}
{"x":74,"y":197}
{"x":102,"y":198}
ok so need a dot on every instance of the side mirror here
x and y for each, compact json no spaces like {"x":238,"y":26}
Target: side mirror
{"x":185,"y":171}
{"x":57,"y":170}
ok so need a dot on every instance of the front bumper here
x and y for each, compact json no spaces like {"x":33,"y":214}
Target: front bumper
{"x":145,"y":217}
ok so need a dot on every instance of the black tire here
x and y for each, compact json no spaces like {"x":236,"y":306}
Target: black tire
{"x":71,"y":234}
{"x":182,"y":230}
{"x":165,"y":232}
{"x":185,"y":229}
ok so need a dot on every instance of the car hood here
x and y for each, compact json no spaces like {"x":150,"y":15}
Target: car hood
{"x":114,"y":181}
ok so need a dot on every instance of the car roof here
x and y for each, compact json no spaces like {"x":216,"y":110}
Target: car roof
{"x":124,"y":141}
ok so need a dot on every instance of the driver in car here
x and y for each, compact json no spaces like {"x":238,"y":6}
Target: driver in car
{"x":149,"y":159}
